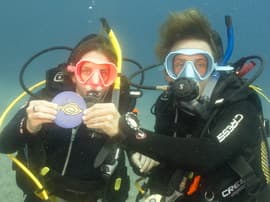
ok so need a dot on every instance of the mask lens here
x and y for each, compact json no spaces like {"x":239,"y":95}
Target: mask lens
{"x":105,"y":73}
{"x":201,"y":64}
{"x":84,"y":72}
{"x":178,"y":65}
{"x":91,"y":73}
{"x":180,"y":62}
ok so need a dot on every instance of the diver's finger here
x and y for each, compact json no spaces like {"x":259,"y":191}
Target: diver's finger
{"x":99,"y":120}
{"x":42,"y":103}
{"x":143,"y":160}
{"x":108,"y":124}
{"x":136,"y":159}
{"x":100,"y":110}
{"x":146,"y":166}
{"x":42,"y":106}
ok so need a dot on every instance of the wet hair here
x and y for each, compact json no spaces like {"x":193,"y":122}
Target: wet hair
{"x":92,"y":42}
{"x":189,"y":24}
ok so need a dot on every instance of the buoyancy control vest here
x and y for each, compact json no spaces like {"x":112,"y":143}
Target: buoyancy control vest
{"x":115,"y":182}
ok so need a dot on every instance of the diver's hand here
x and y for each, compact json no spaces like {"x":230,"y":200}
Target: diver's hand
{"x":103,"y":117}
{"x":144,"y":163}
{"x":39,"y":112}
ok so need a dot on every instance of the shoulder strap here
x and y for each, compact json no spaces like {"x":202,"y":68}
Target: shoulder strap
{"x":57,"y":81}
{"x":246,"y":172}
{"x":239,"y":164}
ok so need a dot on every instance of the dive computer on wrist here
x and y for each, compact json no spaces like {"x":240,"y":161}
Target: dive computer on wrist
{"x":129,"y":124}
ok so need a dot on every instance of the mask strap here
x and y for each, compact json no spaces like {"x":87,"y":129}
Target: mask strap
{"x":224,"y":68}
{"x":213,"y":79}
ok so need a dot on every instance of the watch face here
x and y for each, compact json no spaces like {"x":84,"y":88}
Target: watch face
{"x":132,"y":121}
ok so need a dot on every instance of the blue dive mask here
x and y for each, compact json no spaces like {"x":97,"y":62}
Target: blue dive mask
{"x":189,"y":63}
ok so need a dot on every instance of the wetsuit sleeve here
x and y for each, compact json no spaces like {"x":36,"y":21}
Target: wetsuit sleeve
{"x":11,"y":138}
{"x":234,"y":127}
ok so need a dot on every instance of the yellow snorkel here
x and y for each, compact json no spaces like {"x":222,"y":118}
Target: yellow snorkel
{"x":118,"y":52}
{"x":41,"y":192}
{"x":16,"y":100}
{"x":108,"y":146}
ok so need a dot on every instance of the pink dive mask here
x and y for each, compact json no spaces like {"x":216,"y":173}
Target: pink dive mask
{"x":95,"y":74}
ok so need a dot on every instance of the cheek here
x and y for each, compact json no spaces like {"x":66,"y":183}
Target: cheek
{"x":77,"y":83}
{"x":81,"y":90}
{"x":167,"y":78}
{"x":202,"y":70}
{"x":74,"y":80}
{"x":78,"y":86}
{"x":176,"y":70}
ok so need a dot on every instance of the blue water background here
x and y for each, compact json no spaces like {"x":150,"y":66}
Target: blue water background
{"x":31,"y":25}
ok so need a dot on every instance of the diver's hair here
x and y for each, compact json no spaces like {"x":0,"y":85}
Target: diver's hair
{"x":189,"y":24}
{"x":92,"y":42}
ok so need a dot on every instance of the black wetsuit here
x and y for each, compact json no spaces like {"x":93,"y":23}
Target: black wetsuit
{"x":49,"y":147}
{"x":233,"y":132}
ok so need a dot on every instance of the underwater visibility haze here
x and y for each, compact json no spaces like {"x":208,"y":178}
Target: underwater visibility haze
{"x":29,"y":26}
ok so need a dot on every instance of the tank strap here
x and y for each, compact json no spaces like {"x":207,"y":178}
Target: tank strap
{"x":247,"y":174}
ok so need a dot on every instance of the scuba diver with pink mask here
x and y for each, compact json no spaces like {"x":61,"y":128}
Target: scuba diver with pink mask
{"x":53,"y":131}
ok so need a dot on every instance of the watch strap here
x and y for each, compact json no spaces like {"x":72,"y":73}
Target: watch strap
{"x":124,"y":125}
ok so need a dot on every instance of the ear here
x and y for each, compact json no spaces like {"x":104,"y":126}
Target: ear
{"x":71,"y":68}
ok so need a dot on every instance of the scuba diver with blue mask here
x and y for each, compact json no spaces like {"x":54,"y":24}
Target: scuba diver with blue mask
{"x":53,"y":134}
{"x":209,"y":139}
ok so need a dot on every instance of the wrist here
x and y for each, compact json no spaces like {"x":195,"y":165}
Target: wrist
{"x":22,"y":127}
{"x":28,"y":129}
{"x":128,"y":125}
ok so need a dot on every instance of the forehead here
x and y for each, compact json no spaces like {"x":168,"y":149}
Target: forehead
{"x":193,"y":44}
{"x":95,"y":56}
{"x":190,"y":57}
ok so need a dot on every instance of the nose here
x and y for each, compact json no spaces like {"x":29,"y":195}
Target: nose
{"x":95,"y":78}
{"x":189,"y":70}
